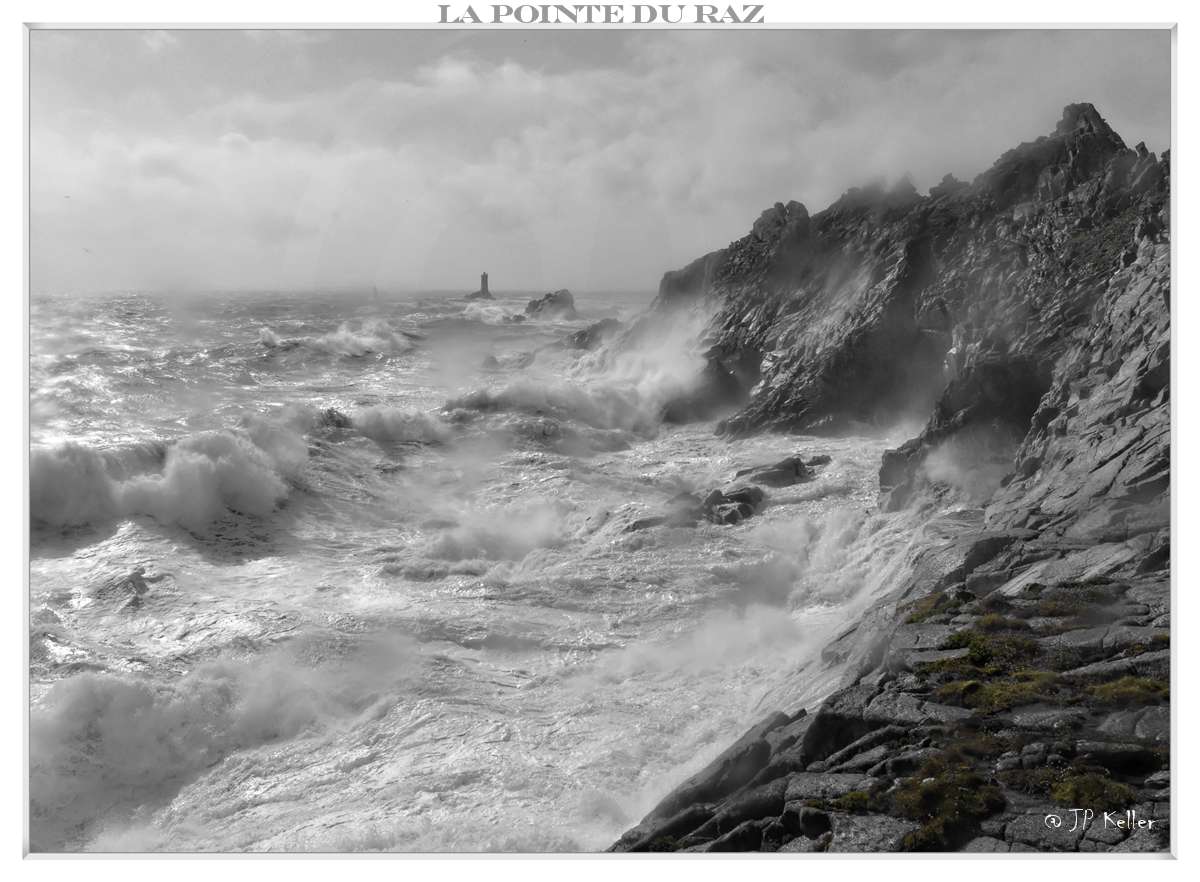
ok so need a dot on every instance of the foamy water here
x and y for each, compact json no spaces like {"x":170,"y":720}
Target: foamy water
{"x":310,"y":573}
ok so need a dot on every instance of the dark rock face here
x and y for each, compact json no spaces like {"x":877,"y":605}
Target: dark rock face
{"x":693,"y":281}
{"x":558,"y":304}
{"x":1020,"y":667}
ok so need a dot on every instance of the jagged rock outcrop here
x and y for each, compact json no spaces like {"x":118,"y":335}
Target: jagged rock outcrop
{"x":849,"y":315}
{"x":558,"y":304}
{"x":1020,"y":667}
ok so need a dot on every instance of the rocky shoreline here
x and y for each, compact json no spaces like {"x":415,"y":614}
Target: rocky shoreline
{"x":1019,"y":668}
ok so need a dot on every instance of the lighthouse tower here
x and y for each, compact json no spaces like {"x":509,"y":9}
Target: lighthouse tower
{"x":483,"y":288}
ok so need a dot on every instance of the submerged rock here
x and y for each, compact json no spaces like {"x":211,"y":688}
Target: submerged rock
{"x":784,"y":473}
{"x":732,"y":507}
{"x":716,"y":507}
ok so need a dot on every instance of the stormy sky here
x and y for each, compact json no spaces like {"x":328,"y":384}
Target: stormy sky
{"x":593,"y":160}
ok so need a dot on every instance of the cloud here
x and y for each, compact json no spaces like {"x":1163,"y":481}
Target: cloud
{"x":164,"y":164}
{"x":159,"y":41}
{"x":583,"y":160}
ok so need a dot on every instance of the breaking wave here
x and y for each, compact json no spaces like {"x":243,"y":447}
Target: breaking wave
{"x":197,"y":480}
{"x":623,"y":386}
{"x":351,"y":339}
{"x":489,"y":314}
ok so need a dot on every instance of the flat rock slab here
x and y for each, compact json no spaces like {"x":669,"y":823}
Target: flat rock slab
{"x":1145,"y":724}
{"x":1106,"y":638}
{"x":905,"y":709}
{"x":824,"y":785}
{"x":1048,"y":718}
{"x":867,"y":833}
{"x":1077,"y":566}
{"x":1156,"y":664}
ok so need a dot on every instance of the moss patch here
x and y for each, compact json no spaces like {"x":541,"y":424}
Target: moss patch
{"x":994,"y":652}
{"x":1023,"y":687}
{"x":1130,"y":691}
{"x":948,"y":798}
{"x":1077,"y":788}
{"x":1091,"y":790}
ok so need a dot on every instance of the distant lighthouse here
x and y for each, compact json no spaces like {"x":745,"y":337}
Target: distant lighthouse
{"x":483,"y":293}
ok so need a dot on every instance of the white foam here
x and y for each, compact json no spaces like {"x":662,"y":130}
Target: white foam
{"x":102,"y":745}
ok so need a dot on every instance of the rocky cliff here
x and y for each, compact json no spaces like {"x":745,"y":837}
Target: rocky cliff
{"x":1019,"y":669}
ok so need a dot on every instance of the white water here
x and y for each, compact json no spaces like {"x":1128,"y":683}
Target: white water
{"x":429,"y":630}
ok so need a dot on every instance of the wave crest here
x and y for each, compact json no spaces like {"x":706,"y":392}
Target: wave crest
{"x":202,"y":478}
{"x":351,"y":339}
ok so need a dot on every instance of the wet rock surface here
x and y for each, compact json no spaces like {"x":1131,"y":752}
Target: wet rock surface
{"x":1020,"y":668}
